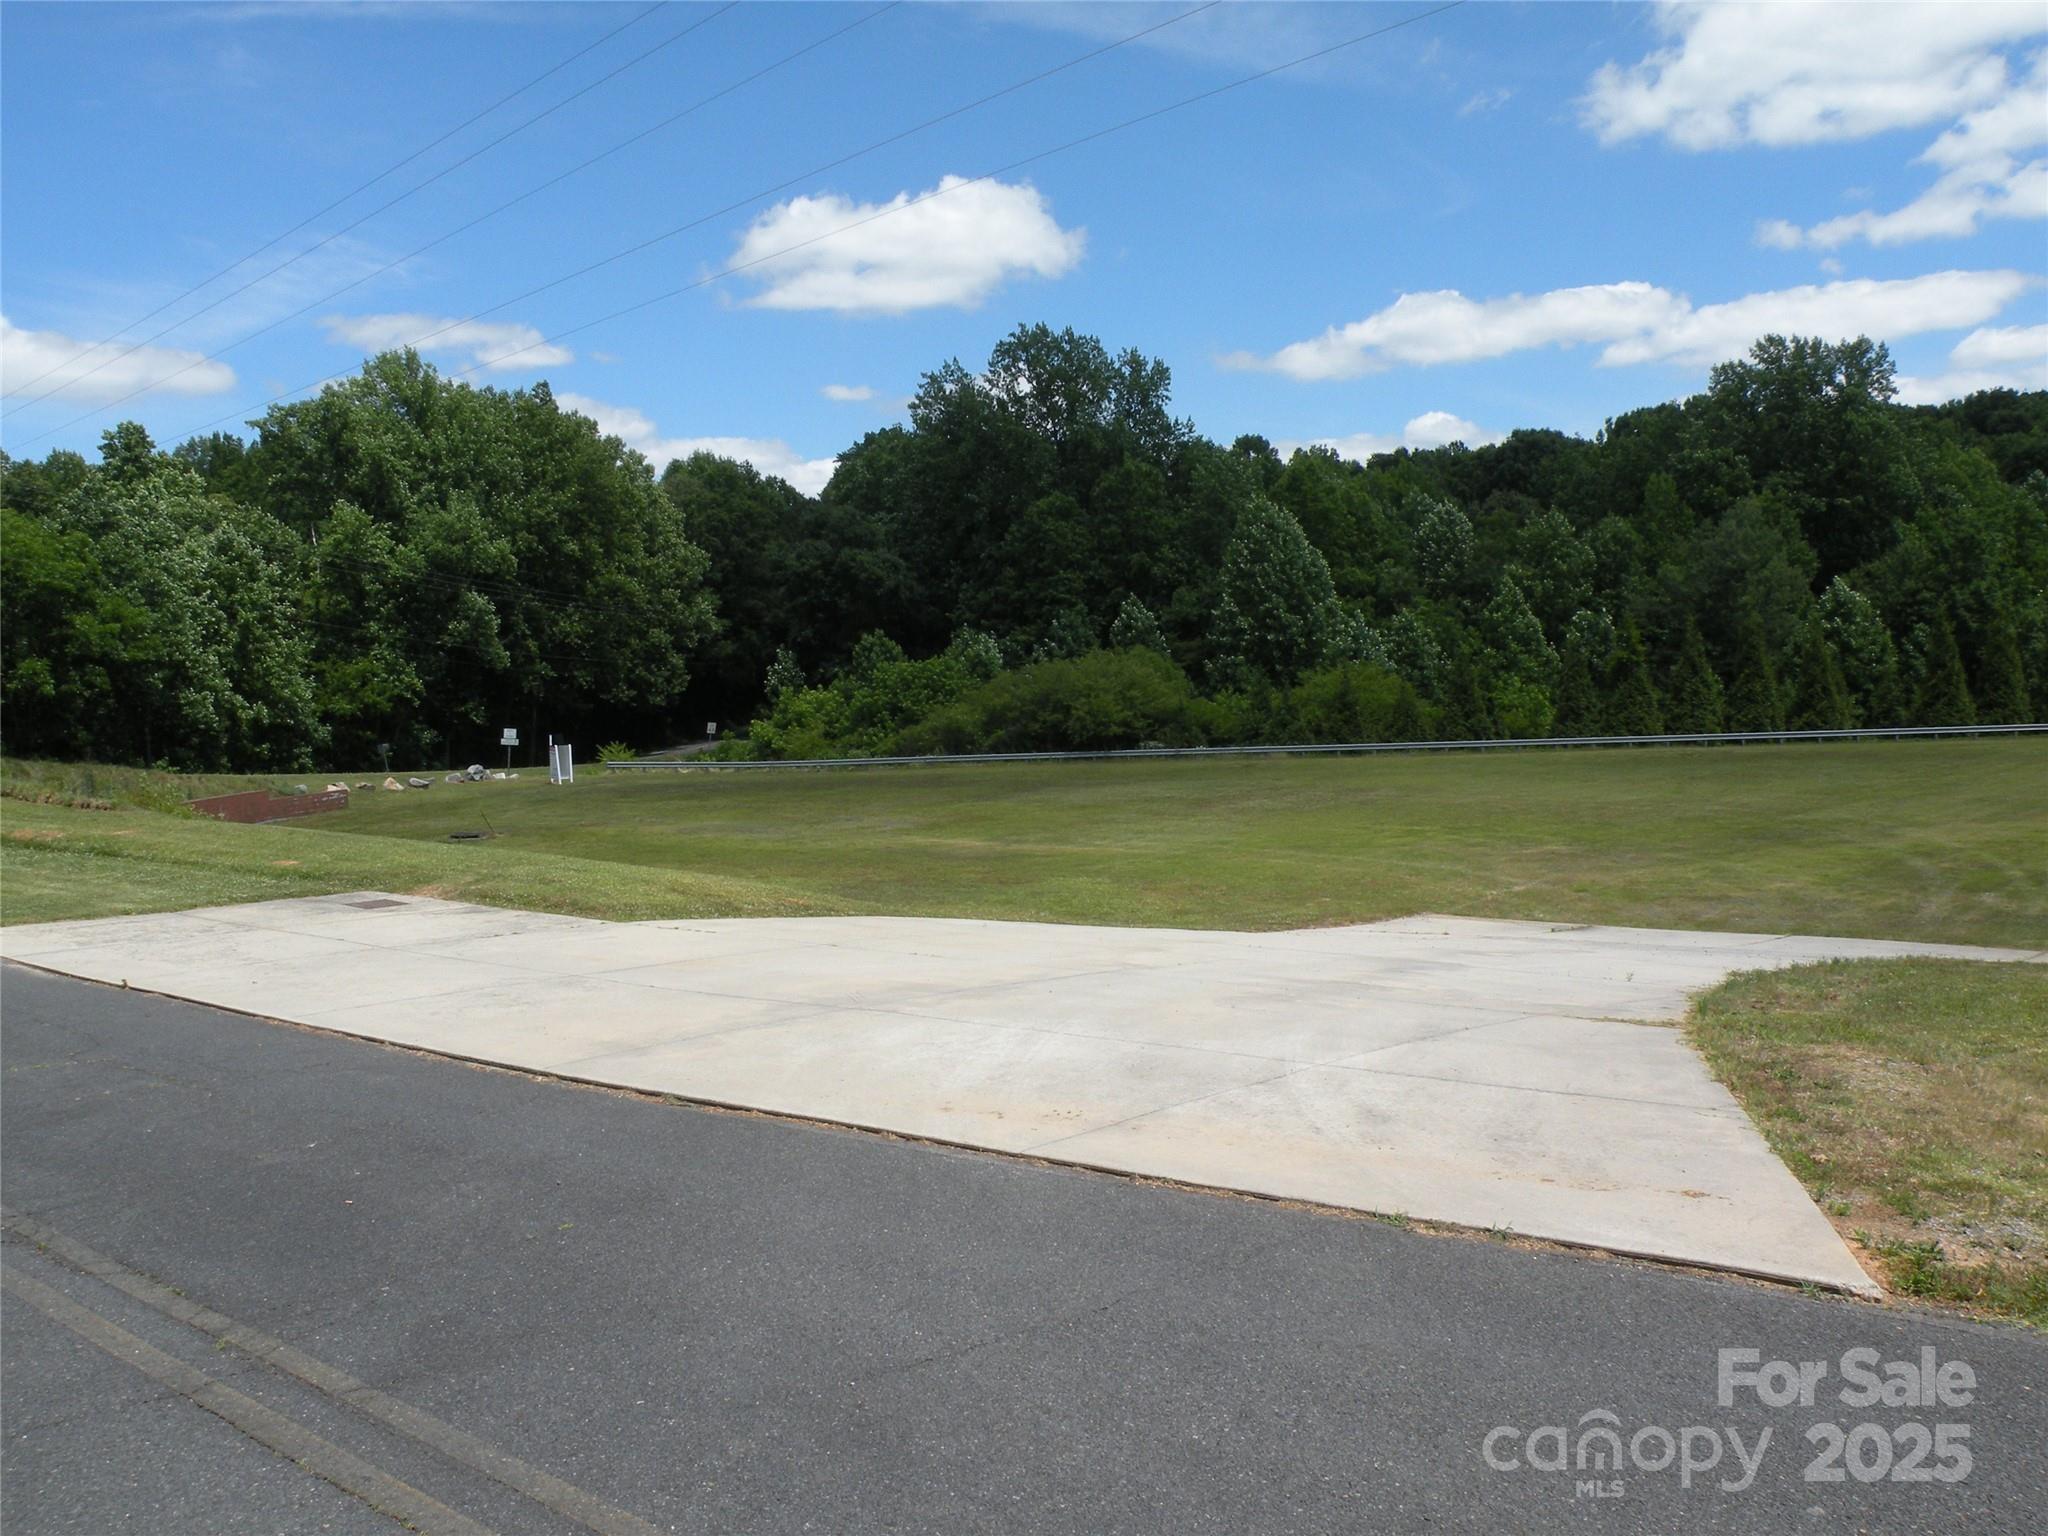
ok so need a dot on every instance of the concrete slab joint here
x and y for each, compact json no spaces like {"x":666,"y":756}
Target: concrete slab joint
{"x":1491,"y":1074}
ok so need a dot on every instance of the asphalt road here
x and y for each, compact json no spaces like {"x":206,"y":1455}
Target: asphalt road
{"x":265,"y":1280}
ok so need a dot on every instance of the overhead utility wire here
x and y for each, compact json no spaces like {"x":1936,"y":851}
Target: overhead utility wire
{"x":669,"y":234}
{"x":482,"y":149}
{"x":328,"y":298}
{"x":1004,"y":170}
{"x":355,"y":191}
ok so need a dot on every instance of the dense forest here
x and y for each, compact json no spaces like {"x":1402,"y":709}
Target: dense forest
{"x":1042,"y":557}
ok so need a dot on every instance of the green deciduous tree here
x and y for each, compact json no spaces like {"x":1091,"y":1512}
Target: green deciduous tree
{"x":1943,"y":696}
{"x":1869,"y":658}
{"x":1693,"y":703}
{"x":2001,"y":691}
{"x":1633,"y":707}
{"x":1754,"y":703}
{"x":1819,"y":699}
{"x":1278,"y":605}
{"x":1135,"y":627}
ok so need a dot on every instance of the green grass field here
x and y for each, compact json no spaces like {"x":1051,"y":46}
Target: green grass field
{"x":1912,"y":840}
{"x":1911,"y":1098}
{"x":1907,"y":1094}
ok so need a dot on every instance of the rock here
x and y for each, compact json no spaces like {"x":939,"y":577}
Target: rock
{"x":455,"y":778}
{"x":341,"y":788}
{"x":498,"y":775}
{"x":419,"y":783}
{"x":299,"y":789}
{"x":474,"y":773}
{"x":393,"y":784}
{"x":364,"y":785}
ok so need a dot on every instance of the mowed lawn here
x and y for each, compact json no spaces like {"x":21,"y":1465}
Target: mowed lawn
{"x":1911,"y":1098}
{"x":1905,"y":1094}
{"x":1922,"y":840}
{"x":1914,"y":840}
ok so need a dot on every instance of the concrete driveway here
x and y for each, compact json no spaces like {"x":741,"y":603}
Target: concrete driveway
{"x":1493,"y":1074}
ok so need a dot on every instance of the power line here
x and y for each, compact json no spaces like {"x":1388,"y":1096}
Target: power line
{"x":1003,"y":170}
{"x":670,"y":234}
{"x":324,"y":299}
{"x":362,"y":187}
{"x":389,"y":203}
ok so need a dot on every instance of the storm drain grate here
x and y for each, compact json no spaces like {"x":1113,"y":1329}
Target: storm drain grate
{"x":381,"y":901}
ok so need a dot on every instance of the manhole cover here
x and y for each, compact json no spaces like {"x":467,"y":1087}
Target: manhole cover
{"x":381,"y":901}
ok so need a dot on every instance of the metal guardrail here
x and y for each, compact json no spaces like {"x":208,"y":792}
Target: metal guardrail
{"x":1311,"y":749}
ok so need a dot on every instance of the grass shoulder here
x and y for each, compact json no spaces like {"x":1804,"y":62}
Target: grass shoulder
{"x":1944,"y":841}
{"x":1911,"y":1098}
{"x":59,"y":862}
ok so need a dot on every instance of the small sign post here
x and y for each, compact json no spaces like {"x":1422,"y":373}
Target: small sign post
{"x":508,"y":741}
{"x":711,"y":730}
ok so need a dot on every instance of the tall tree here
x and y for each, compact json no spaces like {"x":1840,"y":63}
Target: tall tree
{"x":1943,"y":697}
{"x":1281,"y":604}
{"x":1589,"y":645}
{"x":1754,"y":703}
{"x":1633,"y":708}
{"x":2001,"y":692}
{"x":1694,"y":704}
{"x":1819,"y":698}
{"x":1467,"y":713}
{"x":1135,"y":628}
{"x":1869,"y":658}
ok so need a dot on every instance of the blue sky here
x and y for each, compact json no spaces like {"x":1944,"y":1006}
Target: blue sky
{"x":1494,"y":217}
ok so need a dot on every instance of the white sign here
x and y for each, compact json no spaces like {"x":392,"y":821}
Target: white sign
{"x":562,"y":764}
{"x":510,"y":738}
{"x":710,"y":727}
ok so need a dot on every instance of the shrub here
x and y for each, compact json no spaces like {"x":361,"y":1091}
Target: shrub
{"x":1354,"y":702}
{"x":1100,"y":701}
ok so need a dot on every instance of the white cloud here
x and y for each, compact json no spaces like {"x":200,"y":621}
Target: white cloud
{"x":951,"y":246}
{"x":1637,"y":322}
{"x":846,"y":393}
{"x":1432,"y":429}
{"x":26,"y":356}
{"x":491,"y":345}
{"x":1439,"y":429}
{"x":770,"y":455}
{"x":1807,"y":74}
{"x":1446,"y":327}
{"x":2010,"y":357}
{"x":2012,"y":344}
{"x":1910,"y":306}
{"x":1981,"y":177}
{"x":1485,"y":101}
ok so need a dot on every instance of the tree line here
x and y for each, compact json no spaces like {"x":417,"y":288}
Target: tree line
{"x":1041,"y":556}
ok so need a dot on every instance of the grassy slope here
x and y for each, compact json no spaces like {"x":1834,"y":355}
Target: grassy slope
{"x":1924,"y":840}
{"x":57,"y":863}
{"x":1907,"y":1094}
{"x":1911,"y":1097}
{"x":1921,"y":840}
